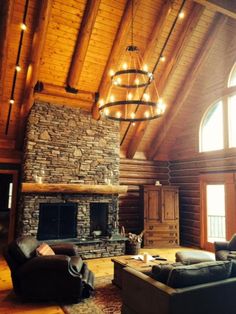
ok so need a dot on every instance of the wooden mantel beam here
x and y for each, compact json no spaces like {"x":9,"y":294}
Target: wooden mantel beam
{"x":6,"y":9}
{"x":34,"y":64}
{"x":190,"y":79}
{"x":82,"y":43}
{"x":116,"y":50}
{"x":73,"y":188}
{"x":226,"y":7}
{"x":175,"y":55}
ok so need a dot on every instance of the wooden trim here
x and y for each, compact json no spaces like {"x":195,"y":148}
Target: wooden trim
{"x":12,"y":220}
{"x":72,"y":188}
{"x":58,"y":95}
{"x":227,"y":7}
{"x":187,"y":85}
{"x":120,"y":37}
{"x":34,"y":64}
{"x":185,"y":34}
{"x":82,"y":43}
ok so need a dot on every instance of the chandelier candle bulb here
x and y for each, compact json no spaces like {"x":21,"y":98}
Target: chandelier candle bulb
{"x":18,"y":68}
{"x":23,"y":26}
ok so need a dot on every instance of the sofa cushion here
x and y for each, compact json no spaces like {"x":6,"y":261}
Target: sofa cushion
{"x":194,"y":257}
{"x":161,"y":272}
{"x":201,"y":273}
{"x":232,"y":243}
{"x":44,"y":249}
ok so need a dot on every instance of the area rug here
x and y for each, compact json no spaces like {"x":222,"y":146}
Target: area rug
{"x":106,"y":299}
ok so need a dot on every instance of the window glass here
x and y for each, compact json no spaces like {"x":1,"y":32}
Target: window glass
{"x":232,"y":120}
{"x":232,"y":77}
{"x":215,"y":212}
{"x":212,"y":129}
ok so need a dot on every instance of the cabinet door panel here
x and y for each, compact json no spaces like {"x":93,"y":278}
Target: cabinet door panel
{"x":170,"y":204}
{"x":153,"y":205}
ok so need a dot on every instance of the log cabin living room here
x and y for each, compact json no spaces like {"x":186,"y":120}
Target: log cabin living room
{"x":117,"y":156}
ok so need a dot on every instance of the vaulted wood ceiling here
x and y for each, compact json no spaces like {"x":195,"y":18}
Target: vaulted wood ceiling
{"x":76,"y":42}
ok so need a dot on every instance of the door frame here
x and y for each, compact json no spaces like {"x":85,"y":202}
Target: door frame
{"x":12,"y":217}
{"x":228,"y":179}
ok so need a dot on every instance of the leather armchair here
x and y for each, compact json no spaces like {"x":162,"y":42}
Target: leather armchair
{"x":61,"y":277}
{"x":226,"y":250}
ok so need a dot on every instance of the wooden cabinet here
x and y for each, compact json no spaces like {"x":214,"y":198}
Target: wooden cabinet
{"x":161,"y":216}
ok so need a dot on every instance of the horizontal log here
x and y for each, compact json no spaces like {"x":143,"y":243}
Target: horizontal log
{"x":190,"y":208}
{"x":58,"y":95}
{"x":127,"y":181}
{"x":72,"y":188}
{"x":189,"y":200}
{"x":142,"y":174}
{"x":144,"y":162}
{"x":146,"y":168}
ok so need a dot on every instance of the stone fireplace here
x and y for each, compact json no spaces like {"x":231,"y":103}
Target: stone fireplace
{"x":65,"y":145}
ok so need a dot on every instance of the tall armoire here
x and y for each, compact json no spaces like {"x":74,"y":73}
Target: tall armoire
{"x":161,"y":216}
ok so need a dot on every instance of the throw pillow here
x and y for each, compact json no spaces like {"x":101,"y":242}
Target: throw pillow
{"x":232,"y":243}
{"x":190,"y":275}
{"x":44,"y":249}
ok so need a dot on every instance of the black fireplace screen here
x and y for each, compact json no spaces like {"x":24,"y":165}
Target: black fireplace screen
{"x":57,"y":221}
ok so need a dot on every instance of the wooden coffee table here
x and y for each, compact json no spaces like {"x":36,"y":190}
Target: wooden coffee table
{"x":127,"y":261}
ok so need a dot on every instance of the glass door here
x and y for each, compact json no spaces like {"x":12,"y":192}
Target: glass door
{"x":218,"y":210}
{"x":215,"y":206}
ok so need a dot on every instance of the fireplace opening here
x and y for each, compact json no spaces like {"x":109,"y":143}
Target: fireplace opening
{"x":57,"y":221}
{"x":98,"y":219}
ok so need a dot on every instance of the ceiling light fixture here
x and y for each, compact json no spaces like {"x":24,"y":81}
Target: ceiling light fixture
{"x":133,"y":95}
{"x":161,"y":58}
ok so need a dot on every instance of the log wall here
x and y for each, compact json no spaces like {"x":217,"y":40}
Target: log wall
{"x":136,"y":173}
{"x":185,"y":174}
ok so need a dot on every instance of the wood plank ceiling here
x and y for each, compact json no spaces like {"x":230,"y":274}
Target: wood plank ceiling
{"x":75,"y":43}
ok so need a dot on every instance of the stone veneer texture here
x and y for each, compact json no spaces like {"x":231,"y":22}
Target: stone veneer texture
{"x":70,"y":146}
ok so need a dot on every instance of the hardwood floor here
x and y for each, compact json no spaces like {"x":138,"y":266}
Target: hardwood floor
{"x":10,"y":304}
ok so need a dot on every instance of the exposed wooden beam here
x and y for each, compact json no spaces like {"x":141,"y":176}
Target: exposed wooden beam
{"x":34,"y":64}
{"x":152,"y":42}
{"x":6,"y":9}
{"x":190,"y":79}
{"x":116,"y":50}
{"x":82,"y":43}
{"x":58,"y":95}
{"x":227,"y":7}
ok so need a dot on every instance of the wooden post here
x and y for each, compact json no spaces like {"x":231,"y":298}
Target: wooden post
{"x":82,"y":43}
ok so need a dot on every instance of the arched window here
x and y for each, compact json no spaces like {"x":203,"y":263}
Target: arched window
{"x":218,"y":126}
{"x":212,"y":129}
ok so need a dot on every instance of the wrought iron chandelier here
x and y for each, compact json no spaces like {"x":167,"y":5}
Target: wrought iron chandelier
{"x":133,"y":95}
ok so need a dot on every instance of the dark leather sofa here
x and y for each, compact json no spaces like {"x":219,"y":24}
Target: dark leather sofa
{"x":143,"y":294}
{"x":61,"y":277}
